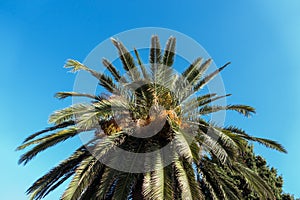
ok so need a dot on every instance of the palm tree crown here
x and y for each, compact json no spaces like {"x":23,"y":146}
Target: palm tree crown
{"x":146,"y":110}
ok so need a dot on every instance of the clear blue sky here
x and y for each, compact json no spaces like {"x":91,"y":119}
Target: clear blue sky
{"x":261,"y":38}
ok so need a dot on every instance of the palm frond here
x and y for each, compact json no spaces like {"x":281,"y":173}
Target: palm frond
{"x":194,"y":187}
{"x":64,"y":170}
{"x":209,"y":77}
{"x":157,"y":179}
{"x":45,"y":143}
{"x":127,"y":60}
{"x":124,"y":185}
{"x":52,"y":128}
{"x":169,"y":186}
{"x":155,"y":57}
{"x":268,"y":143}
{"x":168,"y":58}
{"x":143,"y":68}
{"x":254,"y":181}
{"x":108,"y":178}
{"x":63,"y":95}
{"x":183,"y":180}
{"x":112,"y":69}
{"x":69,"y":113}
{"x":242,"y":109}
{"x":181,"y":144}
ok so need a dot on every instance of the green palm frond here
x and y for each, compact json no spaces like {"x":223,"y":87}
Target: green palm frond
{"x":196,"y":70}
{"x":124,"y":185}
{"x":169,"y":185}
{"x":127,"y":60}
{"x":143,"y":68}
{"x":108,"y":178}
{"x":104,"y":80}
{"x":112,"y":69}
{"x":52,"y":128}
{"x":268,"y":143}
{"x":182,"y":146}
{"x":183,"y":180}
{"x":254,"y":181}
{"x":157,"y":180}
{"x":242,"y":109}
{"x":63,"y":95}
{"x":45,"y":143}
{"x":194,"y":187}
{"x":64,"y":170}
{"x":84,"y":176}
{"x":168,"y":58}
{"x":69,"y":113}
{"x":210,"y":100}
{"x":209,"y":77}
{"x":155,"y":50}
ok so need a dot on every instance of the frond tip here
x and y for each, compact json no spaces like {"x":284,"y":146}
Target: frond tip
{"x":75,"y":65}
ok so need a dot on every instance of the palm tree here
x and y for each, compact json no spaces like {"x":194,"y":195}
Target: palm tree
{"x":200,"y":153}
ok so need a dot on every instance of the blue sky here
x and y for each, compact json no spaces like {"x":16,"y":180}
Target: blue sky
{"x":260,"y":38}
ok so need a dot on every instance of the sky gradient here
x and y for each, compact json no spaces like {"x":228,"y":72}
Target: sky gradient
{"x":261,"y":39}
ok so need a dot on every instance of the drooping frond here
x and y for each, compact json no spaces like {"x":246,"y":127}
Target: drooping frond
{"x":84,"y":176}
{"x":182,"y":146}
{"x":169,"y":185}
{"x":45,"y":143}
{"x":52,"y":128}
{"x":255,"y":182}
{"x":65,"y":169}
{"x":268,"y":143}
{"x":108,"y":178}
{"x":183,"y":180}
{"x":156,"y":184}
{"x":124,"y":185}
{"x":194,"y":187}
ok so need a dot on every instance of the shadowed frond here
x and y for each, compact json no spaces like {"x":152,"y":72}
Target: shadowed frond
{"x":143,"y":68}
{"x":255,"y":181}
{"x":124,"y":185}
{"x":65,"y":169}
{"x":168,"y":58}
{"x":112,"y":69}
{"x":84,"y":176}
{"x":183,"y":180}
{"x":127,"y":59}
